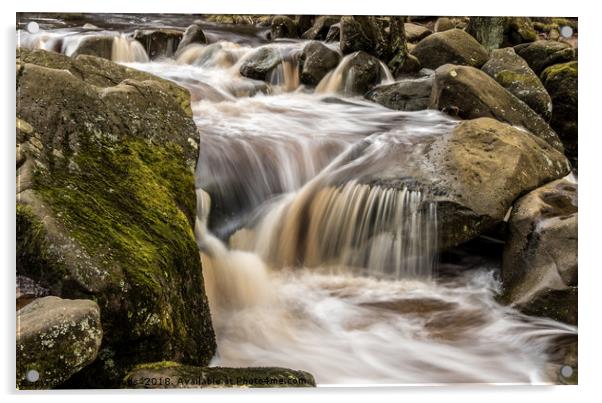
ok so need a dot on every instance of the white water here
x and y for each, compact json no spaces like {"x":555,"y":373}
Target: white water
{"x":307,"y":281}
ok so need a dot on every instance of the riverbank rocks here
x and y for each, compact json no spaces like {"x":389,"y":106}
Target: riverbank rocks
{"x":499,"y":32}
{"x":193,"y":35}
{"x":539,"y":271}
{"x":362,"y":33}
{"x":55,"y":339}
{"x":541,"y":54}
{"x":561,"y":81}
{"x":93,"y":45}
{"x":109,"y":207}
{"x":320,"y":28}
{"x":360,"y":73}
{"x":159,"y":42}
{"x":334,"y":33}
{"x":470,"y":93}
{"x":260,"y":63}
{"x":174,"y":375}
{"x":514,"y":74}
{"x":404,"y":95}
{"x":316,"y":61}
{"x":283,"y":27}
{"x":453,"y":46}
{"x":415,"y":33}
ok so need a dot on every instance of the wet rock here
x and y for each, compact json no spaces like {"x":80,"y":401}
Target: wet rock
{"x":360,"y":73}
{"x":561,"y":81}
{"x":260,"y":63}
{"x":110,"y":211}
{"x":304,"y":22}
{"x":320,"y":28}
{"x":193,"y":34}
{"x":415,"y":33}
{"x":539,"y":271}
{"x":470,"y":93}
{"x":316,"y":61}
{"x":334,"y":33}
{"x":362,"y":33}
{"x":100,"y":46}
{"x":471,"y":174}
{"x":498,"y":32}
{"x":174,"y":375}
{"x":454,"y":46}
{"x":514,"y":74}
{"x":283,"y":27}
{"x":159,"y":42}
{"x":55,"y":339}
{"x":541,"y":54}
{"x":405,"y":95}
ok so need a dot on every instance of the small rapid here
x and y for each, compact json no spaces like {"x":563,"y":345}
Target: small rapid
{"x":308,"y":262}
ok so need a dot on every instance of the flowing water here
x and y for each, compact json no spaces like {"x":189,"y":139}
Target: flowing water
{"x":307,"y":263}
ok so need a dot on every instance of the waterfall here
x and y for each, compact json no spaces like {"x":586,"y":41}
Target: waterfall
{"x":127,"y":50}
{"x":341,"y":78}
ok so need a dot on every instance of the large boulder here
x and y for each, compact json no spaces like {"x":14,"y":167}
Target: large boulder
{"x":106,"y":206}
{"x":514,"y":74}
{"x":261,"y":62}
{"x":320,"y":28}
{"x":498,"y":32}
{"x":95,"y":45}
{"x":316,"y":61}
{"x":193,"y":35}
{"x":470,"y":93}
{"x":283,"y":27}
{"x":415,"y":33}
{"x":55,"y":339}
{"x":161,"y":42}
{"x":561,"y":81}
{"x":403,"y":95}
{"x":541,"y":54}
{"x":174,"y":375}
{"x":453,"y":46}
{"x":539,"y":270}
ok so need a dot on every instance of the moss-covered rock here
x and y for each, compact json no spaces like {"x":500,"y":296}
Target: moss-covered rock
{"x":541,"y":54}
{"x":55,"y":339}
{"x":453,"y":46}
{"x":470,"y":93}
{"x":109,"y":209}
{"x":561,"y":81}
{"x":498,"y":32}
{"x":169,"y":375}
{"x":514,"y":74}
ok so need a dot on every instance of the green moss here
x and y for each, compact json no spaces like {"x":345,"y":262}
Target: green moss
{"x":507,"y":77}
{"x":552,"y":72}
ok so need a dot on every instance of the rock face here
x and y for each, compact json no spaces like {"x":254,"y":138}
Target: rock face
{"x":316,"y":61}
{"x":514,"y":74}
{"x":453,"y":46}
{"x":260,"y":63}
{"x":320,"y":28}
{"x":55,"y":339}
{"x":498,"y":32}
{"x":184,"y":376}
{"x":415,"y":32}
{"x":470,"y":93}
{"x":404,"y":95}
{"x":561,"y":81}
{"x":541,"y":54}
{"x":539,"y":271}
{"x":283,"y":27}
{"x":193,"y":34}
{"x":159,"y":42}
{"x":106,"y":206}
{"x":100,"y":46}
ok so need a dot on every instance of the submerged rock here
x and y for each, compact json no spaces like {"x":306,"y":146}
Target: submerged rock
{"x":498,"y":32}
{"x":109,"y":210}
{"x":316,"y":61}
{"x":159,"y":42}
{"x":470,"y":93}
{"x":453,"y":46}
{"x":541,"y":54}
{"x":514,"y":74}
{"x":174,"y":375}
{"x":539,"y":271}
{"x":404,"y":95}
{"x":193,"y":34}
{"x":561,"y":81}
{"x":55,"y":339}
{"x":283,"y":27}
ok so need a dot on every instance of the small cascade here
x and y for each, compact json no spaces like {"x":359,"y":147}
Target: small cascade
{"x":128,"y":50}
{"x":285,"y":76}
